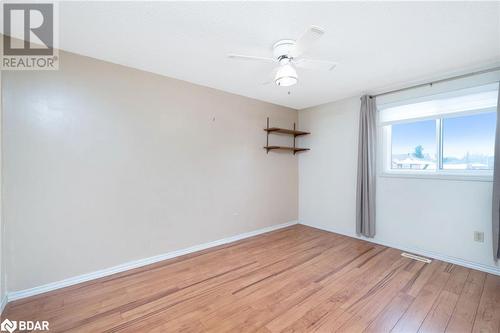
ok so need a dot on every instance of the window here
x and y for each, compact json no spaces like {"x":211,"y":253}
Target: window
{"x":446,"y":134}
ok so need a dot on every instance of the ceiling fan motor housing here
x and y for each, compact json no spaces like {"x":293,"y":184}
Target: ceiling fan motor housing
{"x":283,"y":48}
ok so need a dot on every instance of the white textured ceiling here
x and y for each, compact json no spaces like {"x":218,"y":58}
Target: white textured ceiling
{"x":377,"y":44}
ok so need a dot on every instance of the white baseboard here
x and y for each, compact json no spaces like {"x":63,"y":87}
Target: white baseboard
{"x":3,"y":303}
{"x":434,"y":255}
{"x":15,"y":295}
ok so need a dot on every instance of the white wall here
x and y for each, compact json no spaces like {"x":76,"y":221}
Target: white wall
{"x":433,"y":217}
{"x":3,"y":291}
{"x":327,"y":173}
{"x":104,"y":164}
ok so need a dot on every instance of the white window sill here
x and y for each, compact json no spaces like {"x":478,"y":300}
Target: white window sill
{"x":438,"y":176}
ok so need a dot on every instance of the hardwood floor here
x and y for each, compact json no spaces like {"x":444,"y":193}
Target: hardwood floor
{"x":297,"y":279}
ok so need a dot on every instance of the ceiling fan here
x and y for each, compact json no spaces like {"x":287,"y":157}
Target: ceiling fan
{"x":289,"y":55}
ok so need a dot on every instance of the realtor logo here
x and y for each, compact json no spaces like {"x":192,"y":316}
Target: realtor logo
{"x":23,"y":325}
{"x":29,"y":36}
{"x":8,"y":326}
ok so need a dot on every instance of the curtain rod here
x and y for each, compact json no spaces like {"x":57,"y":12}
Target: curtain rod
{"x":493,"y":69}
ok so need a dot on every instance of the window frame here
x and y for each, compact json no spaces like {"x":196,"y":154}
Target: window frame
{"x":385,"y":152}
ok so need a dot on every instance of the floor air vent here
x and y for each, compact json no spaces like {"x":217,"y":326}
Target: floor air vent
{"x":414,"y":257}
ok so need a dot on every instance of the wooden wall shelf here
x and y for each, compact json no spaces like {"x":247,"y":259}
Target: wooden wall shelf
{"x":293,"y":132}
{"x":285,"y":131}
{"x":295,"y":150}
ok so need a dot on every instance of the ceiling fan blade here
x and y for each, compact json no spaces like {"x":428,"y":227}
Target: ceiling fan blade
{"x":249,"y":57}
{"x":308,"y":37}
{"x":323,"y":65}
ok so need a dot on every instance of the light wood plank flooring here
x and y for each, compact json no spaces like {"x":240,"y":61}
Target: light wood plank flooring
{"x":297,"y":279}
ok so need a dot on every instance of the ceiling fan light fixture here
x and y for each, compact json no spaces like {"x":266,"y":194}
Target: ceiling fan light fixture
{"x":286,"y":76}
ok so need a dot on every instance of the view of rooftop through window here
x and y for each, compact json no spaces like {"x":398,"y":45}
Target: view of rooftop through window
{"x":414,"y":145}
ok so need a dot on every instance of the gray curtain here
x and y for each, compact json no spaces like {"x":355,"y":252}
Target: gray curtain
{"x":365,"y":190}
{"x":496,"y":188}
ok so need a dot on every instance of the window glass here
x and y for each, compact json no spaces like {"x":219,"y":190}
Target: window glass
{"x":469,"y":142}
{"x":413,"y":145}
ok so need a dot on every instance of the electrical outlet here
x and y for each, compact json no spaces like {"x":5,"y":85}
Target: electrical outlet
{"x":479,"y":236}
